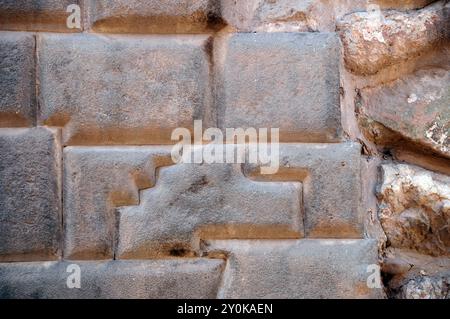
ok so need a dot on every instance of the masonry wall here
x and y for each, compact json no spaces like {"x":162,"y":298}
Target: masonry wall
{"x":86,"y":176}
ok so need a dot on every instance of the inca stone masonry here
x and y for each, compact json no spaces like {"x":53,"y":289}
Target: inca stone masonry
{"x":91,"y":205}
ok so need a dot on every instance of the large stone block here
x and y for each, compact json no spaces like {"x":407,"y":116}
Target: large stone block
{"x":96,"y":181}
{"x":195,"y":201}
{"x":183,"y":278}
{"x":30,"y":194}
{"x":331,"y":182}
{"x":36,"y":15}
{"x":17,"y":79}
{"x":123,"y":89}
{"x":154,"y":16}
{"x":415,"y":108}
{"x":306,"y":268}
{"x":280,"y":80}
{"x":377,"y":39}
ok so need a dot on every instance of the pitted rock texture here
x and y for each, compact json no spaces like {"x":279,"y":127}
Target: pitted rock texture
{"x":415,"y":208}
{"x":30,"y":194}
{"x":376,"y":39}
{"x":415,"y":107}
{"x":17,"y":79}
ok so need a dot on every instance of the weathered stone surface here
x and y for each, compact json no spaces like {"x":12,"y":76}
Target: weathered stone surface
{"x":195,"y":201}
{"x":30,"y":194}
{"x":154,"y":16}
{"x":36,"y":15}
{"x":284,"y":80}
{"x":416,"y":276}
{"x":331,"y":182}
{"x":300,"y":15}
{"x":17,"y":79}
{"x":377,"y":39}
{"x":424,"y":287}
{"x":96,"y":180}
{"x":297,"y":268}
{"x":185,"y":278}
{"x":123,"y":89}
{"x":415,"y":208}
{"x":415,"y":107}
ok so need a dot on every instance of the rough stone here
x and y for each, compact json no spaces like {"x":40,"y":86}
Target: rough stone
{"x":17,"y":79}
{"x":331,"y":183}
{"x":36,"y":15}
{"x":30,"y":194}
{"x":414,"y":209}
{"x":184,"y":278}
{"x":416,"y":276}
{"x":123,"y":89}
{"x":300,"y":15}
{"x":155,"y":16}
{"x":306,"y":268}
{"x":377,"y":39}
{"x":96,"y":180}
{"x":288,"y":81}
{"x":415,"y":107}
{"x":212,"y":201}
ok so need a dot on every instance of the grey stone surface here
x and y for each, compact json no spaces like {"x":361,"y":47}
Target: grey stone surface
{"x":123,"y":89}
{"x":281,"y":80}
{"x":35,"y":15}
{"x":184,"y":278}
{"x":17,"y":79}
{"x":154,"y":16}
{"x":309,"y":268}
{"x":30,"y":194}
{"x":96,"y":181}
{"x":330,"y":175}
{"x":195,"y":201}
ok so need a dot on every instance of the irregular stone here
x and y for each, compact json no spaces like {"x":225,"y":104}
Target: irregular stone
{"x":196,"y":201}
{"x":17,"y":79}
{"x":414,"y":209}
{"x":416,"y":276}
{"x":415,"y":107}
{"x":123,"y":89}
{"x":30,"y":194}
{"x":96,"y":181}
{"x":377,"y":39}
{"x":36,"y":15}
{"x":300,"y":15}
{"x":306,"y":268}
{"x":331,"y":182}
{"x":425,"y":287}
{"x":183,"y":278}
{"x":288,"y":81}
{"x":155,"y":16}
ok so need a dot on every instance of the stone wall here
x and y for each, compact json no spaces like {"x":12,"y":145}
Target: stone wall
{"x":359,"y":91}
